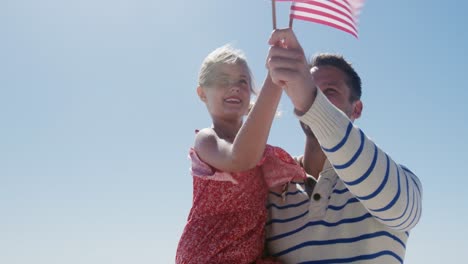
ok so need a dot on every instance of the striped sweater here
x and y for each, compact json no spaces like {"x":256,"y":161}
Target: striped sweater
{"x":361,"y":208}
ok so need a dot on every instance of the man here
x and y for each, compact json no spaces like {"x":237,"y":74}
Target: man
{"x":358,"y":205}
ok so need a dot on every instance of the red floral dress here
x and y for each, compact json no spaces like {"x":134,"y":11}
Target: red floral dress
{"x":228,"y":215}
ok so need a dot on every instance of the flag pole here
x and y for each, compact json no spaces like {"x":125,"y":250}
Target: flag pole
{"x":291,"y":16}
{"x":273,"y":12}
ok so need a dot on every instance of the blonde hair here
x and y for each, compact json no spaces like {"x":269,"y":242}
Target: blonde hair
{"x":225,"y":54}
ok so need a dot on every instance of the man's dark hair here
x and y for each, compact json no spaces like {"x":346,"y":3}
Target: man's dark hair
{"x":335,"y":60}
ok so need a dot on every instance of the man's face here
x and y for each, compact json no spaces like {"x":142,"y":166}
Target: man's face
{"x":332,"y":82}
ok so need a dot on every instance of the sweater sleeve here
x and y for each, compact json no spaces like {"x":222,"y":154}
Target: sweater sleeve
{"x":389,"y":191}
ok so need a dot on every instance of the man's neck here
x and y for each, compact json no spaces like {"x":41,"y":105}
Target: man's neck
{"x":314,"y":158}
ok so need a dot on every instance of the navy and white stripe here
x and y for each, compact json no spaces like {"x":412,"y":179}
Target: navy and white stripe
{"x":368,"y":202}
{"x":385,"y":188}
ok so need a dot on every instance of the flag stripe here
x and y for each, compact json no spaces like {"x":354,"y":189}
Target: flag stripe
{"x":339,"y":10}
{"x":342,"y":5}
{"x":325,"y":22}
{"x":340,"y":14}
{"x":319,"y":12}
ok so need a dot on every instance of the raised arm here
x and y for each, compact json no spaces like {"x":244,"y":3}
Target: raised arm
{"x":390,"y":192}
{"x":248,"y":146}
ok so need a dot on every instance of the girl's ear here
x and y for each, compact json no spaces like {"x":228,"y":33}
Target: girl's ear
{"x":201,"y":93}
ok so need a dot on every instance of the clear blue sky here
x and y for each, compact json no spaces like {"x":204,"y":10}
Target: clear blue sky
{"x":98,"y":110}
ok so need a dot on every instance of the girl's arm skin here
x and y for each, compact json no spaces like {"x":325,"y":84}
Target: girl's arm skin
{"x":247,"y":149}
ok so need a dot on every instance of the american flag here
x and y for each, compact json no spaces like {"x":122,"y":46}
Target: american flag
{"x":340,"y":14}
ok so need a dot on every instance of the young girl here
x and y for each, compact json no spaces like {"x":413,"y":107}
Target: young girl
{"x":232,"y":167}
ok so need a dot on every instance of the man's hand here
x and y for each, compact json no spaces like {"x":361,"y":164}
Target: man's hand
{"x":289,"y":68}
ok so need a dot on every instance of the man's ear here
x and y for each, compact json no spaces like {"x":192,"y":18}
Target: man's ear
{"x":357,"y":109}
{"x":201,"y":93}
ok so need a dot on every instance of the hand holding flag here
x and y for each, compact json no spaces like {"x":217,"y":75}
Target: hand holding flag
{"x":288,"y":67}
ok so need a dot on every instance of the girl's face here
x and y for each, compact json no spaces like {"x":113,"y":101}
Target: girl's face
{"x":227,"y":92}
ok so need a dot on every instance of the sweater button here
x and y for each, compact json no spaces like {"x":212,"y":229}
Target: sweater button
{"x":317,"y":196}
